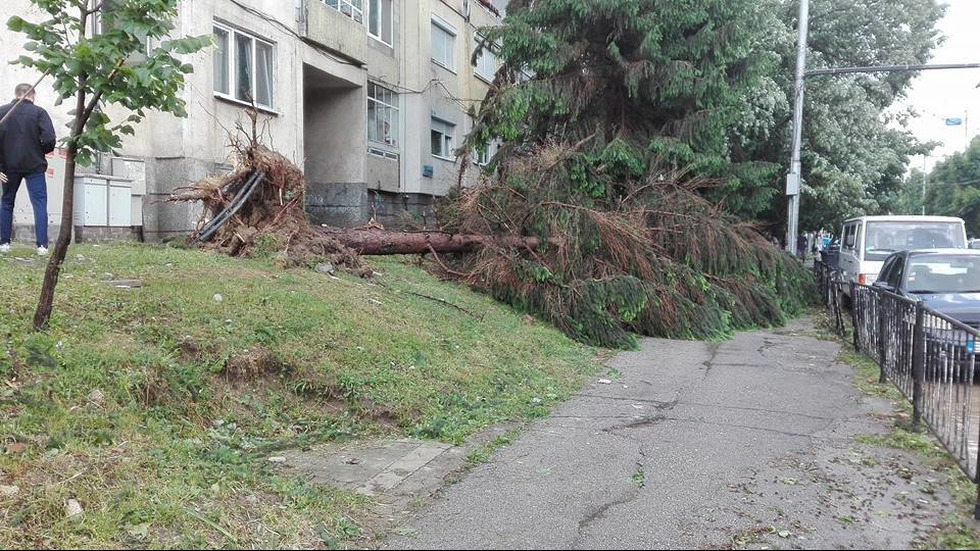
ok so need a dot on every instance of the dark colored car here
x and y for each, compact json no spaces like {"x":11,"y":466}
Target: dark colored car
{"x":945,"y":281}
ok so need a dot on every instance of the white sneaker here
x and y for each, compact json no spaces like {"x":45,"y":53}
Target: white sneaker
{"x":5,"y":248}
{"x":42,"y":251}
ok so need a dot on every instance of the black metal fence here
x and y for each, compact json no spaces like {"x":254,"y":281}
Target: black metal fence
{"x":929,"y":356}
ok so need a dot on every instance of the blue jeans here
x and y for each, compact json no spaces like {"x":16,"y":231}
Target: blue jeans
{"x":37,"y":189}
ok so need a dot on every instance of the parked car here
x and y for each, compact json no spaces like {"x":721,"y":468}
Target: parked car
{"x":945,"y":281}
{"x":973,"y":244}
{"x":868,"y":240}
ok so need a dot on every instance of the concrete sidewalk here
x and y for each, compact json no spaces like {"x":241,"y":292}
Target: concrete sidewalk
{"x":744,"y":443}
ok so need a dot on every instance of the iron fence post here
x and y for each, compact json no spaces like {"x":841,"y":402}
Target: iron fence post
{"x":976,"y":480}
{"x":882,"y":346}
{"x":918,"y":364}
{"x":854,"y":319}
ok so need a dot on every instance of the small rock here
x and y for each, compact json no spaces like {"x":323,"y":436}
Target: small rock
{"x":73,"y":508}
{"x":535,"y":400}
{"x":108,"y":276}
{"x":277,"y":459}
{"x":605,"y":382}
{"x":8,"y":491}
{"x":784,"y":534}
{"x":352,"y":461}
{"x":96,"y":397}
{"x":325,"y":268}
{"x":218,"y":298}
{"x":125,"y":283}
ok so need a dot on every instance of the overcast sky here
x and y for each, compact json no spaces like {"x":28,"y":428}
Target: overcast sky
{"x":936,"y":95}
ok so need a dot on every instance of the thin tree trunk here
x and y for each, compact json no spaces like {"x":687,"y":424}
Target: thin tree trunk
{"x":377,"y":242}
{"x":46,"y":301}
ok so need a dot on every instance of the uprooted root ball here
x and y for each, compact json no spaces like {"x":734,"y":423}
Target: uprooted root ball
{"x":273,"y":217}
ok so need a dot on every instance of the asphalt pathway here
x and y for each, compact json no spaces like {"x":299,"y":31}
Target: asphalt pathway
{"x":748,"y":443}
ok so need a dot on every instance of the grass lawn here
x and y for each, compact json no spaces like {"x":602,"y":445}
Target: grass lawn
{"x":155,"y":408}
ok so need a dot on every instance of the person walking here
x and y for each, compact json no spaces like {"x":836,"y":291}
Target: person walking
{"x":25,"y":138}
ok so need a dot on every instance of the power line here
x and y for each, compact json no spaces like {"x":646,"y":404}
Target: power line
{"x":889,"y":69}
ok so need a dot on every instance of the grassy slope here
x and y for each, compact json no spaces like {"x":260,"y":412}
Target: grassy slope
{"x":174,"y":454}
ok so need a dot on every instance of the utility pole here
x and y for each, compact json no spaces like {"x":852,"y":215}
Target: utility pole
{"x":793,"y":178}
{"x":923,"y":184}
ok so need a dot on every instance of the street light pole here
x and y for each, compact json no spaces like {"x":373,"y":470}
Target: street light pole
{"x":793,"y":178}
{"x":923,"y":184}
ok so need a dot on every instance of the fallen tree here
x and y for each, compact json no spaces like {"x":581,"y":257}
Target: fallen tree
{"x":585,"y":217}
{"x":380,"y":242}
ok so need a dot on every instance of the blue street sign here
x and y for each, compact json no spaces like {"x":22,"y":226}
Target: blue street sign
{"x":954,"y":121}
{"x":969,"y":347}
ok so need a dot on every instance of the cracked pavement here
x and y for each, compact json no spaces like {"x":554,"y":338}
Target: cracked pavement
{"x":747,"y":443}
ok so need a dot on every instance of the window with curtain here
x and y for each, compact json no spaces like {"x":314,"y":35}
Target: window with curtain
{"x":222,"y":55}
{"x":244,"y":67}
{"x":486,"y":62}
{"x":351,"y":8}
{"x":442,"y":138}
{"x":443,"y":41}
{"x":380,"y":14}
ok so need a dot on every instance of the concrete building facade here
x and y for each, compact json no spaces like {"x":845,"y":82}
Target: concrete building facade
{"x":369,"y":97}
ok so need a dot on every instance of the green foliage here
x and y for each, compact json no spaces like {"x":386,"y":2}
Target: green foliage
{"x":133,"y":63}
{"x":953,"y":187}
{"x":611,"y":114}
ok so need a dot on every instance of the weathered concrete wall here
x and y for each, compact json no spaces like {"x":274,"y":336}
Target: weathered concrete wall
{"x":335,"y":30}
{"x":336,"y":134}
{"x":344,"y":205}
{"x":382,"y":173}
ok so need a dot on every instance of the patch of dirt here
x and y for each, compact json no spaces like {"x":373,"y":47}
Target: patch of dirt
{"x":253,"y":364}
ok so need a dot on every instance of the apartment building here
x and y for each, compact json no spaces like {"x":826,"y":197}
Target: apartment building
{"x":369,"y":97}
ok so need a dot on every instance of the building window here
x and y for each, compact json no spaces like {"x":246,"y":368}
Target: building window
{"x":483,"y":155}
{"x":243,"y":67}
{"x":486,"y":62}
{"x":442,"y":138}
{"x":351,"y":8}
{"x":380,"y":16}
{"x":221,"y":60}
{"x":443,"y":41}
{"x":382,"y":119}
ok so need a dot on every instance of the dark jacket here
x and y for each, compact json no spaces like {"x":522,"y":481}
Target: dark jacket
{"x":25,"y":138}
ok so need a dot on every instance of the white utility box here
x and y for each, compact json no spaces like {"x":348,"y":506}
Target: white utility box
{"x":103,"y":201}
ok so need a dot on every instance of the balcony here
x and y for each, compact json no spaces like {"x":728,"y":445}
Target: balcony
{"x":335,"y":28}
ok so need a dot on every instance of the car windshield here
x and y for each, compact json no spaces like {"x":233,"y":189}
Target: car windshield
{"x":884,"y":238}
{"x":937,"y":273}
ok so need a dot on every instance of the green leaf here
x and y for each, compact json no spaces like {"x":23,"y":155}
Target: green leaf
{"x":16,"y":24}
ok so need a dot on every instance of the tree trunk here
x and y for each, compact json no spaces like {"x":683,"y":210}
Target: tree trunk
{"x":46,"y":301}
{"x":377,"y":242}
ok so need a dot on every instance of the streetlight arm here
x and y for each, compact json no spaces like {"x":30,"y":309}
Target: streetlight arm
{"x":889,"y":69}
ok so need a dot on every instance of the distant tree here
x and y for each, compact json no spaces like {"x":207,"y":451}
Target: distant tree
{"x":953,"y":187}
{"x":103,"y":53}
{"x":855,"y":152}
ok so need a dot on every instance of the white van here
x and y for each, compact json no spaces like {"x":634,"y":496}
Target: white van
{"x":868,"y":240}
